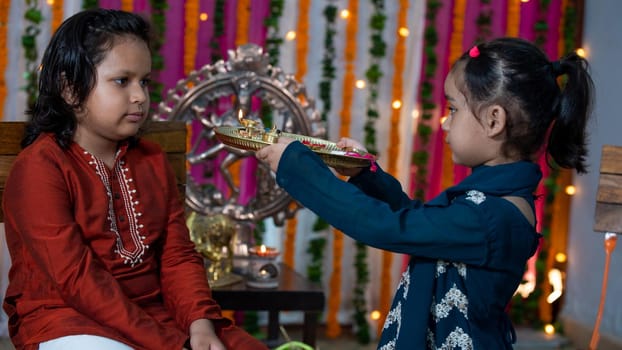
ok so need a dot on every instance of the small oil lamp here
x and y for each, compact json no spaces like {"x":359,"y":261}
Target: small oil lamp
{"x":263,"y":270}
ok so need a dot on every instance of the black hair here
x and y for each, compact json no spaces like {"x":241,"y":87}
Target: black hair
{"x":68,"y":71}
{"x":518,"y":76}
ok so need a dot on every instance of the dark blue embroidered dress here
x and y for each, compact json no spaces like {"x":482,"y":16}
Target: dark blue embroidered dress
{"x":468,"y":246}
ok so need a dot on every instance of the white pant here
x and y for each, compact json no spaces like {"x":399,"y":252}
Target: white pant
{"x":80,"y":342}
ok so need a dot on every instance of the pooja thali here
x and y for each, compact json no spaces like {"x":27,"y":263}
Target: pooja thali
{"x":251,"y":138}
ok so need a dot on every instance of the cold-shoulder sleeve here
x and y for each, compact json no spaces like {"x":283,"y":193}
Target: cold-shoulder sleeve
{"x":43,"y":235}
{"x":455,"y":231}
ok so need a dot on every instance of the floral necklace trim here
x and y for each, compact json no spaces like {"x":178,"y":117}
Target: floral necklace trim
{"x":127,"y":193}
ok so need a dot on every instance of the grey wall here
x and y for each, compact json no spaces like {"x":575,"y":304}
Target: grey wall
{"x":586,"y":255}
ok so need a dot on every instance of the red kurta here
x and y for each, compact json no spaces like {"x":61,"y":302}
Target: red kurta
{"x":103,"y":251}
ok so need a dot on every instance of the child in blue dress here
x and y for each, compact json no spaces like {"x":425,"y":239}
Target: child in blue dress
{"x":468,"y":246}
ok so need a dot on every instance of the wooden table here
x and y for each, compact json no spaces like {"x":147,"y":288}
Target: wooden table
{"x":294,"y":293}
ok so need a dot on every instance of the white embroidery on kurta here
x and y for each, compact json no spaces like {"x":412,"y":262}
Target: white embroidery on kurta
{"x":441,"y":268}
{"x":394,"y":317}
{"x":456,"y":339}
{"x":388,"y":346}
{"x":453,"y":299}
{"x":127,"y":192}
{"x":476,"y":197}
{"x":405,"y":281}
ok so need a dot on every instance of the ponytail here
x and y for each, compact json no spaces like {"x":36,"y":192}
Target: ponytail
{"x":567,"y":143}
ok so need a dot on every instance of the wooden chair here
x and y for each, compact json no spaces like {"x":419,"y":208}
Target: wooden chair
{"x":171,"y":135}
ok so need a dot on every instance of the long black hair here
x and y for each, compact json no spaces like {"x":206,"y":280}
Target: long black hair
{"x":69,"y":68}
{"x":517,"y":75}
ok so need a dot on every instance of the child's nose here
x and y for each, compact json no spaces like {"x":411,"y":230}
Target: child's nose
{"x":139,"y":94}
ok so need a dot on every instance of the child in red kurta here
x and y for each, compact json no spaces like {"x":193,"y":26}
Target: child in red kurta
{"x":94,"y":223}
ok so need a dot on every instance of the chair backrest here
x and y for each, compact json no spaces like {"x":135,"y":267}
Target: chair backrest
{"x":608,"y":216}
{"x":171,"y":135}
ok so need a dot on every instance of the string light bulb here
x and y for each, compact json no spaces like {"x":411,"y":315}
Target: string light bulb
{"x":375,"y":315}
{"x":360,"y":84}
{"x":345,"y":14}
{"x":549,"y":329}
{"x":50,"y":2}
{"x":570,"y":190}
{"x":443,"y":118}
{"x":561,"y":257}
{"x":291,"y":35}
{"x":581,"y":52}
{"x":397,"y":104}
{"x":203,"y":16}
{"x":403,"y":32}
{"x":415,"y":114}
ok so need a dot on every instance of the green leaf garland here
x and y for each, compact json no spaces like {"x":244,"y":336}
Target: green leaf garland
{"x":420,"y":157}
{"x":318,"y":243}
{"x":33,"y":18}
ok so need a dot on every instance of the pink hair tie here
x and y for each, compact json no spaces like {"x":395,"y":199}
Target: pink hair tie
{"x":474,"y":51}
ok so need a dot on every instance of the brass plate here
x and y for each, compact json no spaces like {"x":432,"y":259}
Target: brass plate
{"x":332,"y":155}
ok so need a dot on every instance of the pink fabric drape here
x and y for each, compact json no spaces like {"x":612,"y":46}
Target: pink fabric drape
{"x":443,"y":15}
{"x":110,"y":4}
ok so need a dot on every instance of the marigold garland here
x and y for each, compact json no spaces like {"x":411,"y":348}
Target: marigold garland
{"x":127,"y":5}
{"x":513,"y":21}
{"x":290,"y":238}
{"x":302,"y":41}
{"x":191,"y":32}
{"x":527,"y":311}
{"x":302,"y":34}
{"x":333,"y":329}
{"x":243,"y":14}
{"x":4,"y":54}
{"x":57,"y":14}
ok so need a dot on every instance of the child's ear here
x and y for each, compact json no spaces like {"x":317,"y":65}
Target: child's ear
{"x":495,"y":120}
{"x":67,"y":92}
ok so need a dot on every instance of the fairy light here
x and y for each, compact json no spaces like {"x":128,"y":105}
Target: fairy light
{"x":397,"y":104}
{"x":203,"y":16}
{"x":443,"y":118}
{"x":345,"y":14}
{"x":291,"y":35}
{"x":375,"y":315}
{"x":403,"y":31}
{"x":571,"y":190}
{"x":527,"y":287}
{"x":415,"y":114}
{"x":360,"y":84}
{"x":581,"y":52}
{"x":50,"y":2}
{"x":549,"y":329}
{"x":524,"y":0}
{"x":555,"y":279}
{"x":561,"y":257}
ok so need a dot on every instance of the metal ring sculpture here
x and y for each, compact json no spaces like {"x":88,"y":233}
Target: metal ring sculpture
{"x":246,"y":79}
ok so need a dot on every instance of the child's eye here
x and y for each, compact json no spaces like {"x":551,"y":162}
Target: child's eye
{"x":451,"y":110}
{"x":145,"y":82}
{"x":121,"y":81}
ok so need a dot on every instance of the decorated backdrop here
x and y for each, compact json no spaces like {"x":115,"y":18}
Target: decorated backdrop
{"x":375,"y":69}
